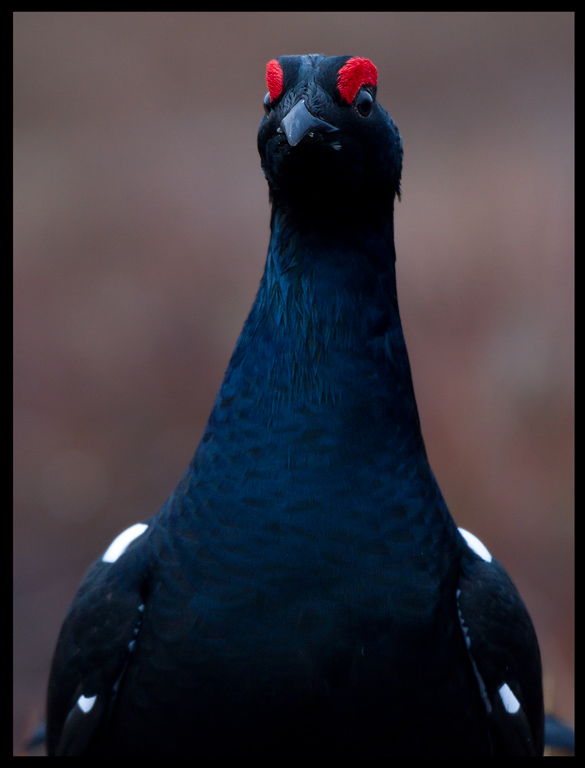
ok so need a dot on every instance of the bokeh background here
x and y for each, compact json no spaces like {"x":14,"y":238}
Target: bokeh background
{"x":140,"y":232}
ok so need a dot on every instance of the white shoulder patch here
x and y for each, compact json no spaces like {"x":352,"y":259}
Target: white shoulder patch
{"x":475,"y":544}
{"x":510,"y":702}
{"x":122,"y":542}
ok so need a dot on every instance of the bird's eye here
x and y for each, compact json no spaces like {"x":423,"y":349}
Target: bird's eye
{"x":364,"y":102}
{"x":267,"y":104}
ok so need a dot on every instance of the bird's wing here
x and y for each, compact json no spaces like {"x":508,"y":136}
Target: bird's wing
{"x":503,"y":648}
{"x":97,"y":639}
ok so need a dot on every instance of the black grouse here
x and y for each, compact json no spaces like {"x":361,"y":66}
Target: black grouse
{"x":304,"y":590}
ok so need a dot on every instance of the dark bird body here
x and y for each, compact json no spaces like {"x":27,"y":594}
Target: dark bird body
{"x":304,"y":590}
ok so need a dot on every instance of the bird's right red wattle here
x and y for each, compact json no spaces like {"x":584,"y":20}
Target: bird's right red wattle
{"x":274,"y":79}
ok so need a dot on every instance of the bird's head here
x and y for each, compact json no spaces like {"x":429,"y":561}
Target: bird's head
{"x":325,"y":143}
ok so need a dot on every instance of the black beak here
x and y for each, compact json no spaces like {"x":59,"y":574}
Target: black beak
{"x":299,"y":122}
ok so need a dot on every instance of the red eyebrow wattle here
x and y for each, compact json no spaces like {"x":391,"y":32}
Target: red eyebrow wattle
{"x":274,"y":79}
{"x":355,"y":73}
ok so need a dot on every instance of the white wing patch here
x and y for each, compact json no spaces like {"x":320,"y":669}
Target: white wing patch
{"x":86,"y":703}
{"x":510,"y":702}
{"x":475,"y":544}
{"x":122,"y":542}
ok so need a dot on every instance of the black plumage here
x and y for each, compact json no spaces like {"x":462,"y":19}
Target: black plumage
{"x":304,"y":590}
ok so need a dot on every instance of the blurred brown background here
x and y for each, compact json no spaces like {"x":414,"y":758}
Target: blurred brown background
{"x":141,"y":225}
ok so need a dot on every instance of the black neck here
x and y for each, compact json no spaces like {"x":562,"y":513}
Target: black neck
{"x":325,"y":328}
